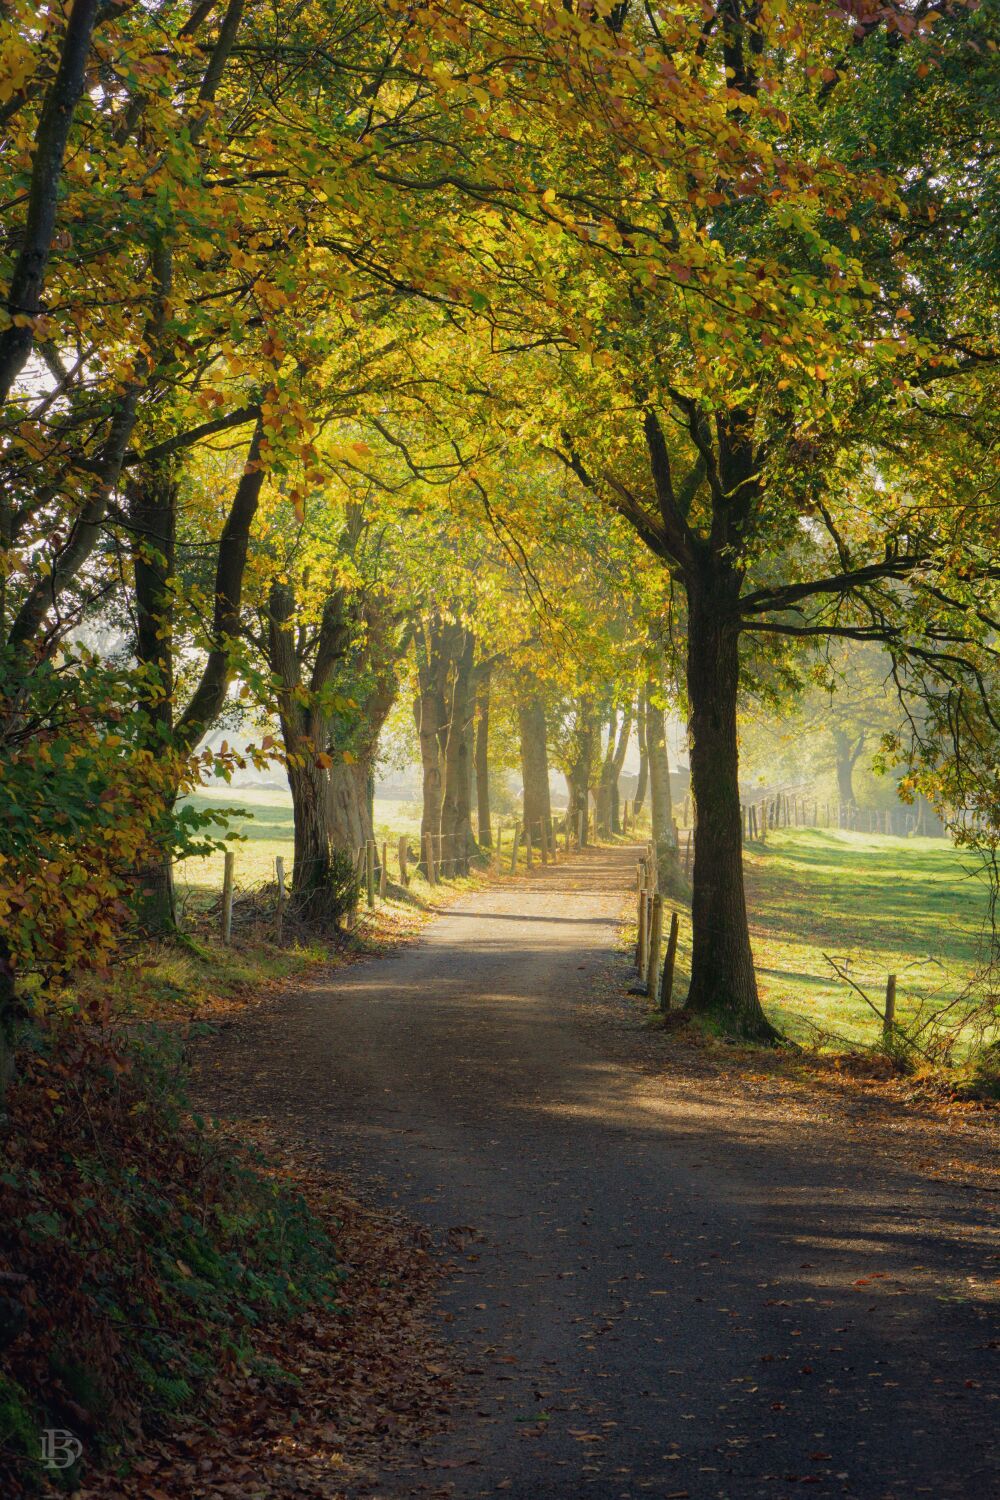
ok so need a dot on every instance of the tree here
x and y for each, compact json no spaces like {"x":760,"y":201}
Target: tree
{"x":661,"y":806}
{"x":760,"y":345}
{"x":615,"y":751}
{"x":537,"y":808}
{"x":456,"y":807}
{"x":482,"y":756}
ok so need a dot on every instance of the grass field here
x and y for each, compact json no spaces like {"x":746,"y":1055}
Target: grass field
{"x":878,"y":905}
{"x":262,"y":816}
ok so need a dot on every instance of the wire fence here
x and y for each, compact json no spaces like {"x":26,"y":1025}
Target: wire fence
{"x":335,"y":889}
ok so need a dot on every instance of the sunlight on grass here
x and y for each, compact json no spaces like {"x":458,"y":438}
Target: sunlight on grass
{"x":914,"y":907}
{"x":263,"y":819}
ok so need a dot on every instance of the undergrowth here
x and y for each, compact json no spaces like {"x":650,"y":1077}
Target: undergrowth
{"x":138,"y":1251}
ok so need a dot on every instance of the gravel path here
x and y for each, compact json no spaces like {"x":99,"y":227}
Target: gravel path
{"x":663,"y":1290}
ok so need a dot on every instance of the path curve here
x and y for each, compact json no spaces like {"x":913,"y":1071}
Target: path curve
{"x":667,"y":1296}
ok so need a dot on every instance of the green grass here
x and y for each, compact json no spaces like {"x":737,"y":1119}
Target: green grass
{"x":914,"y":907}
{"x":264,"y":822}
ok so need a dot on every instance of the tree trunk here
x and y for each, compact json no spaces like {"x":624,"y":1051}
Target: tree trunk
{"x":617,"y":762}
{"x":640,"y":786}
{"x":430,"y":715}
{"x":535,"y":770}
{"x":312,"y":895}
{"x":456,"y":820}
{"x":155,"y":899}
{"x":580,"y":768}
{"x":349,"y":812}
{"x":152,"y":518}
{"x":848,"y":756}
{"x":723,"y":984}
{"x":472,"y":791}
{"x":659,"y":788}
{"x":305,"y":735}
{"x":152,"y":499}
{"x":483,"y":760}
{"x":603,"y":808}
{"x":27,"y":278}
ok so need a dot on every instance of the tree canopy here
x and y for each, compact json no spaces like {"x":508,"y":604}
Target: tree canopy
{"x":570,"y":349}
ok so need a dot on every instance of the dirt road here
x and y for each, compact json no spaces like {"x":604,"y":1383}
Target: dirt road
{"x":672,"y":1294}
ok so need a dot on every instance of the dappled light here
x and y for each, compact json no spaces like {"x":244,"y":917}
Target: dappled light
{"x":499,"y":749}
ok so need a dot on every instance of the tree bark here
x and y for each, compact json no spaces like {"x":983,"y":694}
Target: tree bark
{"x":456,"y":820}
{"x":661,"y":805}
{"x":151,"y":502}
{"x":27,"y":281}
{"x":213,"y":685}
{"x":847,"y":755}
{"x":617,"y":762}
{"x":603,"y":808}
{"x":580,"y":770}
{"x":535,"y":770}
{"x":483,"y":760}
{"x":304,"y":733}
{"x":430,"y":715}
{"x":331,"y":795}
{"x":349,"y":809}
{"x":723,"y":983}
{"x":640,"y":786}
{"x":151,"y":499}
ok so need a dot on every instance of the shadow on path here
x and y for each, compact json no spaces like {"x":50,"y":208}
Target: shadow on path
{"x":672,"y":1291}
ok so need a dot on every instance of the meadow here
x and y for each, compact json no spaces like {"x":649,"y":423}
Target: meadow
{"x":876,"y":905}
{"x":873,"y":904}
{"x":262,"y":819}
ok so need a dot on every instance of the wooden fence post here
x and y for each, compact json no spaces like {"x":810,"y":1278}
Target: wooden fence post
{"x":667,"y":982}
{"x":404,"y":850}
{"x":543,"y":841}
{"x":889,"y":1018}
{"x":640,"y":941}
{"x":228,"y":872}
{"x":383,"y":879}
{"x":279,"y":875}
{"x":655,"y":938}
